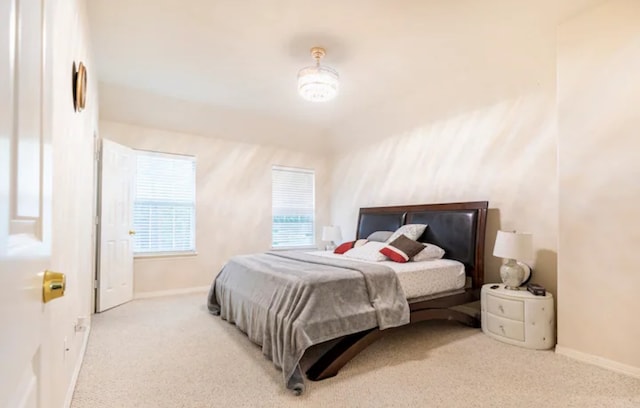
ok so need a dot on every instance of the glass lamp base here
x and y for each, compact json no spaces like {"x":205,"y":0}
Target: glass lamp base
{"x":330,"y":246}
{"x":512,"y":274}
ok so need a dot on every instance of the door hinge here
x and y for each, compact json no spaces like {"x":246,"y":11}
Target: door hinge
{"x":96,"y":284}
{"x":97,"y":221}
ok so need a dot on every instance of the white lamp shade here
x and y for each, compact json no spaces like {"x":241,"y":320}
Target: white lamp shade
{"x":331,"y":233}
{"x":514,"y":245}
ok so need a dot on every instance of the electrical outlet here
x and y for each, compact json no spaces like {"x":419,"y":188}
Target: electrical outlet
{"x":82,"y":322}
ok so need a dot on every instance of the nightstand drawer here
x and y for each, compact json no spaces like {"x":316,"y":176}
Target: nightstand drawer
{"x":511,"y":309}
{"x":505,"y":327}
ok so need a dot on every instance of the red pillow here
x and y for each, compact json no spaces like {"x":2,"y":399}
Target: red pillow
{"x":402,"y":249}
{"x":344,"y":247}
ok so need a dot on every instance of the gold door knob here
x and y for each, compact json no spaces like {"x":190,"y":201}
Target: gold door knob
{"x":132,"y":232}
{"x":53,"y":285}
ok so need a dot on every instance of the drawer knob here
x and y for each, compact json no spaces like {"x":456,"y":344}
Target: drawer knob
{"x":501,"y":309}
{"x":502,"y":328}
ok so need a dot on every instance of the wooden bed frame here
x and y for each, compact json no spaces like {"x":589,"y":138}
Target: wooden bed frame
{"x":458,"y":228}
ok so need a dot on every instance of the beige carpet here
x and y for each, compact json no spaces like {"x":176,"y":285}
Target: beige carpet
{"x":170,"y":352}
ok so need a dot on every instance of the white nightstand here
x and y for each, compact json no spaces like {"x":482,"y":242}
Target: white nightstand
{"x":518,"y":317}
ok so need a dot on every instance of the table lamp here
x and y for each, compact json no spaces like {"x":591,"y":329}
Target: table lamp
{"x":513,"y":246}
{"x":331,"y":234}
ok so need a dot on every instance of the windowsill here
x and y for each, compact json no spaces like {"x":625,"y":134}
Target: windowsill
{"x":296,"y":248}
{"x":155,"y":255}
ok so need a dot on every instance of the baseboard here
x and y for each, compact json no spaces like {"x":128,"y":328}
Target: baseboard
{"x":599,"y":361}
{"x":183,"y":291}
{"x":76,"y":369}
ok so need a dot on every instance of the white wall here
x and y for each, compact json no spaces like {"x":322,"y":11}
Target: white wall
{"x":72,"y":192}
{"x":599,"y":176}
{"x":233,"y":201}
{"x":504,"y":153}
{"x":490,"y":135}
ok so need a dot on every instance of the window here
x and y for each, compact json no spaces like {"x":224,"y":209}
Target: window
{"x":293,"y":200}
{"x":164,"y":208}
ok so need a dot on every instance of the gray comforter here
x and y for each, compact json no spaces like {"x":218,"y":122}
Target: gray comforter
{"x":289,"y":301}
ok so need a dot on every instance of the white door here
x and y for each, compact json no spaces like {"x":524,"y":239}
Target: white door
{"x":115,"y":271}
{"x":25,"y":206}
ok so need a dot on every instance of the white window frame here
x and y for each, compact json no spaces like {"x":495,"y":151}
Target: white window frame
{"x":311,"y":244}
{"x":162,"y":253}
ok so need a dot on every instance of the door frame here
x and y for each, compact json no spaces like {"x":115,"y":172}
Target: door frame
{"x":97,"y":188}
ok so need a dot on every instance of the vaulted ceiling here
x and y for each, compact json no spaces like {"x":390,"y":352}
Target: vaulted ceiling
{"x":228,"y":68}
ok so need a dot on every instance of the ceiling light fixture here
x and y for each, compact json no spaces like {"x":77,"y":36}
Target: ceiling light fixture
{"x":318,"y":83}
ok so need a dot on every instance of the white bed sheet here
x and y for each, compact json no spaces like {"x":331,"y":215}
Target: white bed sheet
{"x":419,"y":279}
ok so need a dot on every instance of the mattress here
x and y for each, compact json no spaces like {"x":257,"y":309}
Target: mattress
{"x":420,"y":279}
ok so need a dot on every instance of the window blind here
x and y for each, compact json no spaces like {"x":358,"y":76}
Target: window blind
{"x":293,"y":203}
{"x":164,"y":206}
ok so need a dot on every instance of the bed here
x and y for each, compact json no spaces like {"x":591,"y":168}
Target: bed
{"x":287,"y":302}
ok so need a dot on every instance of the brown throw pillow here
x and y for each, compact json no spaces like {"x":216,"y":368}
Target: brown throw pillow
{"x":402,"y":249}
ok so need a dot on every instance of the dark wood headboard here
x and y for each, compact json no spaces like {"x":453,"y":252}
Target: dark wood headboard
{"x":458,"y":228}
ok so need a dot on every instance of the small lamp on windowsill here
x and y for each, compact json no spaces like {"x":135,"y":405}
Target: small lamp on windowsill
{"x":513,"y":246}
{"x":331,"y":234}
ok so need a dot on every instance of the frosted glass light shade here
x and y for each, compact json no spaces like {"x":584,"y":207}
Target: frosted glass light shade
{"x":331,"y":233}
{"x":318,"y":83}
{"x":514,"y":245}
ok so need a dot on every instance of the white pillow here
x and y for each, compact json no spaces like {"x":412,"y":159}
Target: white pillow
{"x":367,"y":252}
{"x":412,"y":231}
{"x":429,"y":253}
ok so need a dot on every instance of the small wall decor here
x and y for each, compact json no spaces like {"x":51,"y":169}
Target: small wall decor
{"x":79,"y":86}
